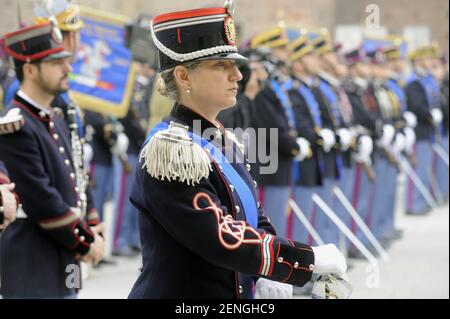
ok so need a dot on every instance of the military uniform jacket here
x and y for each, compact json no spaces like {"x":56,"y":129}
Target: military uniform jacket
{"x":36,"y":251}
{"x":310,"y":169}
{"x":269,"y":113}
{"x":195,"y":241}
{"x":331,"y":122}
{"x":419,"y":104}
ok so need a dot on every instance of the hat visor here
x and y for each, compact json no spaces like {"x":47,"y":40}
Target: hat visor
{"x":225,"y":56}
{"x":59,"y":55}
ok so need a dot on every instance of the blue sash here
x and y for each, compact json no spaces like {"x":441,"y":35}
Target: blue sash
{"x":312,"y":104}
{"x":333,"y":101}
{"x":398,"y":91}
{"x":280,"y":91}
{"x":242,"y":189}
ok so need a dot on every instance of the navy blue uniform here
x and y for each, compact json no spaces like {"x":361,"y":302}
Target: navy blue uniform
{"x":186,"y":248}
{"x":36,"y":251}
{"x":419,"y":104}
{"x":269,"y":114}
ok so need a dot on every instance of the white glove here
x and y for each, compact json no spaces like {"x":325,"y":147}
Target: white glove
{"x":387,"y":137}
{"x":437,"y":116}
{"x":328,"y":139}
{"x":121,"y":145}
{"x":365,"y":149}
{"x":410,"y":140}
{"x":268,"y":289}
{"x":399,"y":143}
{"x":88,"y":154}
{"x":346,"y":138}
{"x":410,"y":118}
{"x":305,"y":149}
{"x":329,"y":260}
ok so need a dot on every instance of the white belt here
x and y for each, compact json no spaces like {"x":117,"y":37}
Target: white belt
{"x":22,"y":215}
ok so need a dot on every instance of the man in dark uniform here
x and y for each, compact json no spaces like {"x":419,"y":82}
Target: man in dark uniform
{"x":424,"y":101}
{"x":311,"y":170}
{"x":204,"y":234}
{"x":326,"y":92}
{"x":51,"y":233}
{"x":275,"y":112}
{"x":370,"y":127}
{"x":438,"y":67}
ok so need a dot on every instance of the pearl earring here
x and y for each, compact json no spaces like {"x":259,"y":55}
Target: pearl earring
{"x":188,"y":90}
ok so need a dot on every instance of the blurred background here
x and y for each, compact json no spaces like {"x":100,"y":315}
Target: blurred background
{"x":419,"y":21}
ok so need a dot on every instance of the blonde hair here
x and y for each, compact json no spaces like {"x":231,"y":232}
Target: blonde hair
{"x":167,"y":84}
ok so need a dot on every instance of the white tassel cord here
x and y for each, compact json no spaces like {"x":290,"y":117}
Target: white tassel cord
{"x":176,"y":160}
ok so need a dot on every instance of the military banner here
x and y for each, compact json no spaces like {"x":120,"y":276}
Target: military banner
{"x":103,"y":73}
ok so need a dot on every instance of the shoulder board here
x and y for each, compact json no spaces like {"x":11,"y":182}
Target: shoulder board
{"x":172,"y":155}
{"x":12,"y":122}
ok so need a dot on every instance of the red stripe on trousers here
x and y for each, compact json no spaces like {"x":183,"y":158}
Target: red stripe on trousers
{"x":356,"y":189}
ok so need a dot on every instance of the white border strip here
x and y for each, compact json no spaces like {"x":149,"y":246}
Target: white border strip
{"x":211,"y":17}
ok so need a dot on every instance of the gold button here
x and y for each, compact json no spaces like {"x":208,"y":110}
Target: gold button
{"x":280,"y":259}
{"x":55,"y":137}
{"x":51,"y":124}
{"x":61,"y":150}
{"x":232,"y":188}
{"x":249,"y":167}
{"x":67,"y":162}
{"x":296,"y":264}
{"x":238,"y":209}
{"x":311,"y":267}
{"x":241,"y":290}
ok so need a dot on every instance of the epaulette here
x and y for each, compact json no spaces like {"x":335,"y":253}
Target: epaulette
{"x":12,"y":122}
{"x":172,"y":155}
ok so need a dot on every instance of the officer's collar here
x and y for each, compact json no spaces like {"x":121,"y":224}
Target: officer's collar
{"x":197,"y":123}
{"x":24,"y":100}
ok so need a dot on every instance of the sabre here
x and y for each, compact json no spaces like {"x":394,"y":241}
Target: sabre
{"x":354,"y":214}
{"x":304,"y":220}
{"x":439,"y":150}
{"x":417,"y":182}
{"x":344,"y":229}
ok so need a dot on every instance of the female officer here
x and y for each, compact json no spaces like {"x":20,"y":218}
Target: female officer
{"x":203,"y":231}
